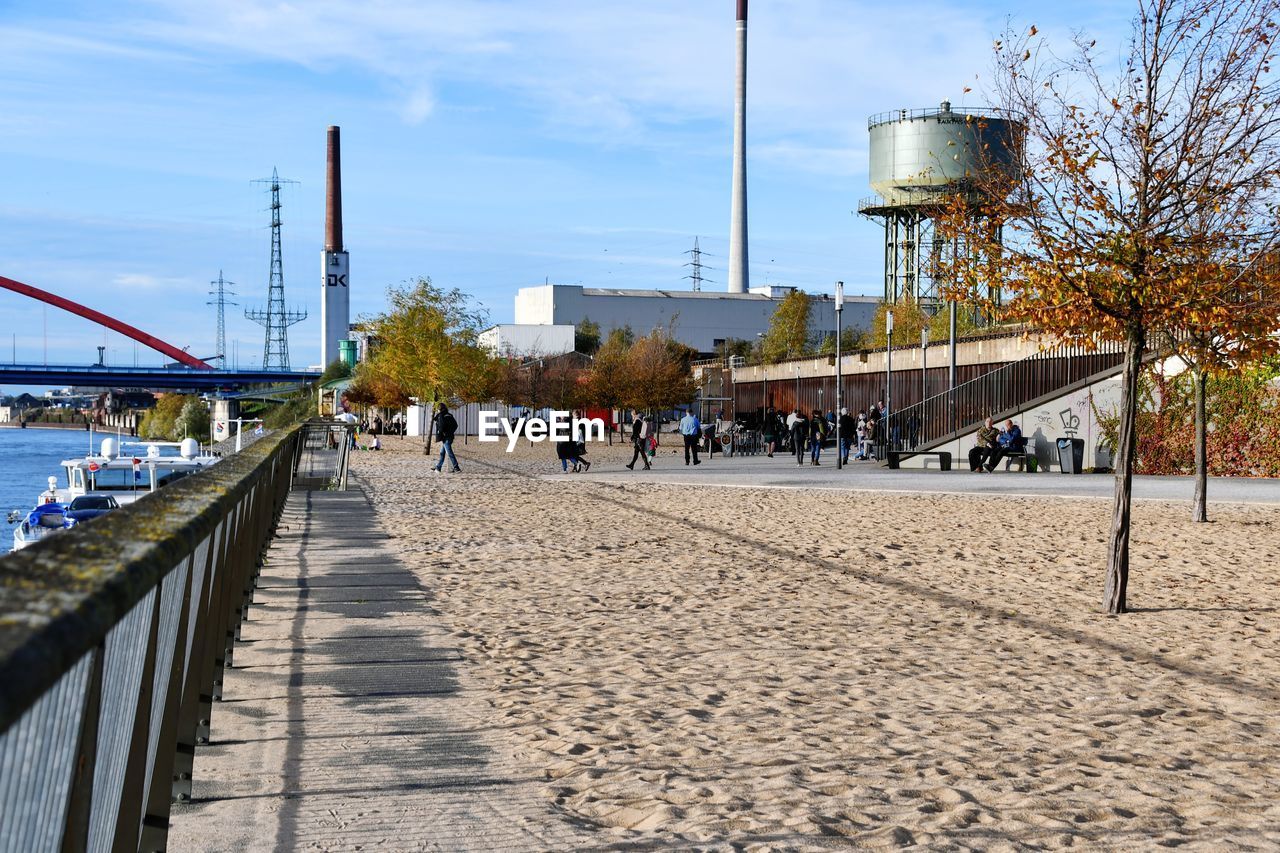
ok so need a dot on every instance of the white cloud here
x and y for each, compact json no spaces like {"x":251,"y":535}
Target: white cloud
{"x":418,"y":107}
{"x":136,"y":281}
{"x":617,"y":67}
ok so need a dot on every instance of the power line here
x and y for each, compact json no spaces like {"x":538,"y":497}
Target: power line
{"x":223,"y":291}
{"x":695,"y":261}
{"x":276,"y":319}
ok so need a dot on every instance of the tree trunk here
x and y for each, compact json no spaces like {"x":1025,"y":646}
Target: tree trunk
{"x":1199,"y":503}
{"x":1126,"y":446}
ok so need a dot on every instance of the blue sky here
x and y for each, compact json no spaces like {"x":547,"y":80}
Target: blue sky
{"x":489,"y":144}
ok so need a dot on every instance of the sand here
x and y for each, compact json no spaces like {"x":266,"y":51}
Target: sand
{"x":783,"y":669}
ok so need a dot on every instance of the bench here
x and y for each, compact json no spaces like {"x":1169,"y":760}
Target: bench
{"x":1021,"y":457}
{"x":896,"y":456}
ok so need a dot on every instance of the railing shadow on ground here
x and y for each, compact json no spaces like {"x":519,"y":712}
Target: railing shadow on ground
{"x":113,"y":642}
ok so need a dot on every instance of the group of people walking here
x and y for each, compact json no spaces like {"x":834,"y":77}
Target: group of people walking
{"x":644,"y":439}
{"x":805,"y":435}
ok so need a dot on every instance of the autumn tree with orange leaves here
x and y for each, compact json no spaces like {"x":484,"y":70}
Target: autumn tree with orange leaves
{"x":1146,"y":206}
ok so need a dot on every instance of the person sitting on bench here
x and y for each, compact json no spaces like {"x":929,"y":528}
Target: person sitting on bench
{"x":1011,"y":440}
{"x":987,"y":439}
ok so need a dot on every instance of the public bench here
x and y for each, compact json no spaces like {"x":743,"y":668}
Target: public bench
{"x":1021,"y":456}
{"x":896,"y":456}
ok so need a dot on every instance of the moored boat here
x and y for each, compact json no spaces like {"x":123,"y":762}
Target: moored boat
{"x":120,"y":473}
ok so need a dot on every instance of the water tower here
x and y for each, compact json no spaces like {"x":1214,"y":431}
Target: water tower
{"x":920,"y":160}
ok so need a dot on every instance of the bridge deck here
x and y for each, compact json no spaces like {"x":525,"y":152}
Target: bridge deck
{"x":347,"y":721}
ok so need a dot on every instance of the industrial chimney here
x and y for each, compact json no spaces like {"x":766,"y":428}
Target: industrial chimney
{"x":739,"y":279}
{"x":335,"y":299}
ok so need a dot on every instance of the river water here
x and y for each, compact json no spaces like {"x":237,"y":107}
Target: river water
{"x":28,"y":457}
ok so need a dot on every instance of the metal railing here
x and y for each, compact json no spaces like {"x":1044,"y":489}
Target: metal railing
{"x":113,"y":641}
{"x":951,"y":113}
{"x":324,"y":450}
{"x":940,"y":417}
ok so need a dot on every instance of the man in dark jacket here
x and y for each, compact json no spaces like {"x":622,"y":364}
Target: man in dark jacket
{"x":639,"y":440}
{"x":848,"y":435}
{"x":446,"y":426}
{"x":1011,"y":440}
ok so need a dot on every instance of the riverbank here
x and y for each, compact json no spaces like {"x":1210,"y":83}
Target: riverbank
{"x":791,"y":668}
{"x":79,"y":427}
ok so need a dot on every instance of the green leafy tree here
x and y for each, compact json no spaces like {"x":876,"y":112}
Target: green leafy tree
{"x":193,"y":420}
{"x":851,"y":340}
{"x":158,"y":422}
{"x":428,"y":345}
{"x":336,"y":369}
{"x":788,"y":333}
{"x":174,"y":417}
{"x":586,"y":337}
{"x":737,"y":348}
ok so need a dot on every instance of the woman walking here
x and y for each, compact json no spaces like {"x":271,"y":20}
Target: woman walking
{"x":639,"y":440}
{"x":566,"y":453}
{"x":799,"y":434}
{"x":817,"y":434}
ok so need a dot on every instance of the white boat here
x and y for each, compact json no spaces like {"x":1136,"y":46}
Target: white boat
{"x":45,"y":520}
{"x":131,"y":470}
{"x":48,"y":518}
{"x":122,"y":472}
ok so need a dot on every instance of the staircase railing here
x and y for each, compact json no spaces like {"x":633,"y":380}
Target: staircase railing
{"x":940,"y":417}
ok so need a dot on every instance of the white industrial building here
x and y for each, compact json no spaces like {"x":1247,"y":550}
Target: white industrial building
{"x":700,"y":319}
{"x":514,"y":340}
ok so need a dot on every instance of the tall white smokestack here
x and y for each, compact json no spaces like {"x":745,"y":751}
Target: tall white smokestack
{"x":739,"y":279}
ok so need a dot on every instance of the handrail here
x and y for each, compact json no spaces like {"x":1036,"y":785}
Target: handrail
{"x":113,"y":639}
{"x":959,"y":114}
{"x":941,"y":417}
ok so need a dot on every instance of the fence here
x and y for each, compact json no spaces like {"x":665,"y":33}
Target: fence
{"x":113,"y":640}
{"x":1015,"y":384}
{"x":324,"y":448}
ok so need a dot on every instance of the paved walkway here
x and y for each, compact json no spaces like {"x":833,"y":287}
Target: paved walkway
{"x":347,"y":721}
{"x":782,"y":472}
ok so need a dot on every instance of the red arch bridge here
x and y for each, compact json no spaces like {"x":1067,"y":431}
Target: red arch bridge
{"x":187,"y":371}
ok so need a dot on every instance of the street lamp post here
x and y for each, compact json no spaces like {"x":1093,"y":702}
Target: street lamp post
{"x":924,"y":353}
{"x":839,"y":393}
{"x":888,"y":380}
{"x":951,"y":372}
{"x":924,"y":374}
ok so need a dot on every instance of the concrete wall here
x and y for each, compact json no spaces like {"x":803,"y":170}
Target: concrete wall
{"x":1070,"y":416}
{"x":700,"y":320}
{"x":511,"y":339}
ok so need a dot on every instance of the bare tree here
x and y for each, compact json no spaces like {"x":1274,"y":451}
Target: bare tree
{"x":1146,"y":201}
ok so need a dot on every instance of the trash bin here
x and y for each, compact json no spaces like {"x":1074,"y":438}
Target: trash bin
{"x":1071,"y":455}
